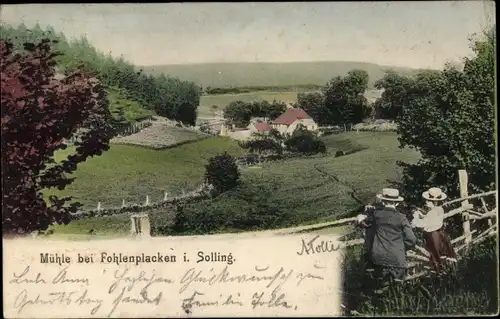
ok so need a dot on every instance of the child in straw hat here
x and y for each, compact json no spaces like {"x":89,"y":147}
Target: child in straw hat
{"x":437,"y":242}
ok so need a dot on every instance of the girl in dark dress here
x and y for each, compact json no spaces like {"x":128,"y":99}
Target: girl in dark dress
{"x":437,"y":242}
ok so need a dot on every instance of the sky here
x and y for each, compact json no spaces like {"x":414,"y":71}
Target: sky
{"x":409,"y":34}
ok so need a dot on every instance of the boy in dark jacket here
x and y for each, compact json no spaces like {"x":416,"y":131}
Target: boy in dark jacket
{"x":388,"y":235}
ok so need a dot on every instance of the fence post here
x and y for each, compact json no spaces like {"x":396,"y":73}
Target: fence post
{"x":140,"y":225}
{"x":123,"y":203}
{"x":463,"y":182}
{"x":98,"y":206}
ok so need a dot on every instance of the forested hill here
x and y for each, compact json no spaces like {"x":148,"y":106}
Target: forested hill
{"x":135,"y":93}
{"x":292,"y":74}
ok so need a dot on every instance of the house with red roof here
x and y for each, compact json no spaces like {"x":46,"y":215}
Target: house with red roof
{"x":260,"y":127}
{"x":287,"y":122}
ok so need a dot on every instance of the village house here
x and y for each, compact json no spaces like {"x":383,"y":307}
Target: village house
{"x":260,"y":127}
{"x":287,"y":122}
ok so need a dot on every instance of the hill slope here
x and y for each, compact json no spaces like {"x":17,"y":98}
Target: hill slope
{"x":268,"y":74}
{"x":132,"y":172}
{"x":310,"y":189}
{"x":132,"y":110}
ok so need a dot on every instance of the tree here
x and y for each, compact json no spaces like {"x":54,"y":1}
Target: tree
{"x":314,"y":104}
{"x":355,"y":85}
{"x":170,"y":97}
{"x":304,"y":141}
{"x":239,"y":113}
{"x":222,"y":172}
{"x":262,"y":144}
{"x":39,"y":112}
{"x":449,"y":119}
{"x":344,"y":98}
{"x":394,"y":97}
{"x":118,"y":120}
{"x":258,"y":108}
{"x":274,"y":109}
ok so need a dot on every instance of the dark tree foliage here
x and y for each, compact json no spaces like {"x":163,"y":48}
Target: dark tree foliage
{"x":449,"y":119}
{"x":272,"y":110}
{"x":240,"y":112}
{"x":38,"y":113}
{"x":168,"y":96}
{"x":314,"y":104}
{"x":341,"y":100}
{"x":344,"y":100}
{"x":304,"y":141}
{"x":262,"y":144}
{"x":246,"y":207}
{"x":222,"y":172}
{"x":394,"y":97}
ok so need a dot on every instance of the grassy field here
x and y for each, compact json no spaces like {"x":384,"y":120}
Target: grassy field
{"x":268,"y":74}
{"x":160,"y":136}
{"x":131,"y":109}
{"x":321,"y":188}
{"x":131,"y":172}
{"x":314,"y":189}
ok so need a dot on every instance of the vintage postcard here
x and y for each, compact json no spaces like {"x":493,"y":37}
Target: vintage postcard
{"x":274,"y":159}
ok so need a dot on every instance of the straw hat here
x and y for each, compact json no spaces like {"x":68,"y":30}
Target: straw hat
{"x":390,"y":194}
{"x":434,"y":194}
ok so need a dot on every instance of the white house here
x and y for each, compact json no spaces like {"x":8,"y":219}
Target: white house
{"x":287,"y":122}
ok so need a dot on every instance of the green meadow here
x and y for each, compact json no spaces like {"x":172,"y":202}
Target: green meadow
{"x":313,"y":189}
{"x":132,"y":172}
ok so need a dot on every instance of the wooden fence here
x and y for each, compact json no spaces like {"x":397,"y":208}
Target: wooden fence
{"x":471,"y":213}
{"x":472,"y":208}
{"x":133,"y":128}
{"x":127,"y":208}
{"x":125,"y":130}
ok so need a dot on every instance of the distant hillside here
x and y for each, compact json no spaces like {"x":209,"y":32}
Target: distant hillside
{"x":268,"y":74}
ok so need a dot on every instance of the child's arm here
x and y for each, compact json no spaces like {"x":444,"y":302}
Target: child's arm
{"x":364,"y":219}
{"x":417,"y":219}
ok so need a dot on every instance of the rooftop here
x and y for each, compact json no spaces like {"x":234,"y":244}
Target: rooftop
{"x":291,"y":115}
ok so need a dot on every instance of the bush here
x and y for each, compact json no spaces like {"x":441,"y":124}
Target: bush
{"x":222,"y":172}
{"x":339,"y":153}
{"x":205,"y":128}
{"x":376,"y":126}
{"x":189,"y":219}
{"x":304,"y":141}
{"x":245,"y":207}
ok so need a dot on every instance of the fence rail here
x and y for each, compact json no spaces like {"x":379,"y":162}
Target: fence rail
{"x":133,"y":128}
{"x":131,"y":208}
{"x":419,"y":257}
{"x":125,"y":130}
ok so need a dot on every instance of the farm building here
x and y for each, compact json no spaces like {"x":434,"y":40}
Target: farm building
{"x":287,"y":122}
{"x":260,"y":127}
{"x":239,"y":134}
